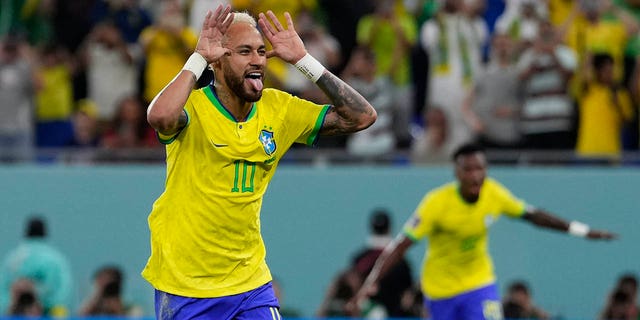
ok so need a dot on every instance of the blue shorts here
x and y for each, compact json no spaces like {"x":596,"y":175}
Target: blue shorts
{"x":257,"y":304}
{"x":479,"y":304}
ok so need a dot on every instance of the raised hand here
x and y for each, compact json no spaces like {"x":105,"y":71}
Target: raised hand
{"x":286,"y":43}
{"x":213,"y":29}
{"x":602,"y":235}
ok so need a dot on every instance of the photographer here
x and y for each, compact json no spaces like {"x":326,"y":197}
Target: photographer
{"x":106,"y":298}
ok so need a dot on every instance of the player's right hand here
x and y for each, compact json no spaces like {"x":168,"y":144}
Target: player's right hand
{"x":214,"y":27}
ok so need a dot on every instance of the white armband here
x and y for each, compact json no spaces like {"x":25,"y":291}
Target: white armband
{"x":578,"y":229}
{"x":310,"y":67}
{"x":196,"y":64}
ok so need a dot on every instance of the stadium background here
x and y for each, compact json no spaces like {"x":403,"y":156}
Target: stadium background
{"x":314,"y":217}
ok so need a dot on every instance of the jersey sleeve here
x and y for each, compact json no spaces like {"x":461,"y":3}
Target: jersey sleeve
{"x":304,"y":120}
{"x":421,"y":222}
{"x":168,"y":139}
{"x":510,"y":205}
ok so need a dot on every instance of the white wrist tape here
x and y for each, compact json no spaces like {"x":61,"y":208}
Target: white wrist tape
{"x":578,"y":229}
{"x":196,"y":64}
{"x":310,"y":67}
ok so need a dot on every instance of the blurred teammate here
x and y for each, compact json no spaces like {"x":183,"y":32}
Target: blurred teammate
{"x":457,"y":276}
{"x":224,"y":142}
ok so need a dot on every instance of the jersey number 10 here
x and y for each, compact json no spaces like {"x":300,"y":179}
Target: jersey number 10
{"x":248,"y":169}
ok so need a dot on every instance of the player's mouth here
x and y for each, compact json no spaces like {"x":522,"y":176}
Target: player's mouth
{"x":254,"y":78}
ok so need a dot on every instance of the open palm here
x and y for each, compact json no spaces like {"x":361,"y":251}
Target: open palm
{"x":213,"y":29}
{"x":286,"y":43}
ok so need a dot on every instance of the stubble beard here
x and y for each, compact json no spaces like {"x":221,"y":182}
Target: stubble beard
{"x":237,"y":85}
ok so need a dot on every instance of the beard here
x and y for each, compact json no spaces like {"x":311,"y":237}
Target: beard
{"x":238,"y":85}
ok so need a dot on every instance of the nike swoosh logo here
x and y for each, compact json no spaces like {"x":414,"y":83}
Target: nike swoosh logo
{"x":218,"y":145}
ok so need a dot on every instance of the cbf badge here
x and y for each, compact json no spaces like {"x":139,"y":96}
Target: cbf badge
{"x":268,"y":143}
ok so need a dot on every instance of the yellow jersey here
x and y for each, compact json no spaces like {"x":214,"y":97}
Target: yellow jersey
{"x":457,"y":259}
{"x":205,"y":227}
{"x":601,"y":121}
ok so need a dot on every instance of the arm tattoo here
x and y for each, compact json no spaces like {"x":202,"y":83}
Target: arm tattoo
{"x":349,"y":105}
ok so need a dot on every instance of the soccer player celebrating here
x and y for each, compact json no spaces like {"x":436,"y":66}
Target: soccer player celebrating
{"x":223,"y":144}
{"x":458,"y":281}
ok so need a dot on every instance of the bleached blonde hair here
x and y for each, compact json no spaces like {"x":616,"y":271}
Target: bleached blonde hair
{"x":244,"y":17}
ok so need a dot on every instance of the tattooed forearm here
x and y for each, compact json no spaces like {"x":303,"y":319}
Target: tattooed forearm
{"x":350,"y":112}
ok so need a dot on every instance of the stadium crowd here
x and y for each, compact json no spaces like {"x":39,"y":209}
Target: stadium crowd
{"x":551,"y":75}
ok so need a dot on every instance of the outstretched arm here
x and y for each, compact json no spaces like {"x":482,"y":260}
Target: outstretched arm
{"x":392,"y":254}
{"x":545,"y":219}
{"x":350,"y":112}
{"x":165,"y":112}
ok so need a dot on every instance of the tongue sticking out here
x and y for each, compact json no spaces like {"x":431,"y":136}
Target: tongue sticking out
{"x":255,"y":83}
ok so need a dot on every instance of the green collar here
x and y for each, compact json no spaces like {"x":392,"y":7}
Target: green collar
{"x":211,"y":94}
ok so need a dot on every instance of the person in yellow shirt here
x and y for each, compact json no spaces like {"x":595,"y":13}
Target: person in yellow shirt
{"x":458,"y":280}
{"x":223,"y":143}
{"x":605,"y":106}
{"x":598,"y":27}
{"x":166,"y":44}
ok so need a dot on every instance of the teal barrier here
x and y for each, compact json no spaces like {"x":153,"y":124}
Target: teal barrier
{"x":313,"y":219}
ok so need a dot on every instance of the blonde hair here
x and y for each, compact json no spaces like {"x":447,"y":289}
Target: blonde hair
{"x":244,"y":17}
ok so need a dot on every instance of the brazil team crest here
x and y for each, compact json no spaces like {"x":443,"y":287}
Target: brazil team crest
{"x":268,"y":143}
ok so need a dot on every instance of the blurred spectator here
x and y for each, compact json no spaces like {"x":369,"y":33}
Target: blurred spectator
{"x":129,"y":16}
{"x":342,"y":288}
{"x":518,"y":303}
{"x":560,"y":10}
{"x":85,"y":127}
{"x":391,"y":33}
{"x":30,"y":18}
{"x":619,"y":307}
{"x":433,"y":145}
{"x":167,"y":44}
{"x":195,"y":8}
{"x":622,"y":301}
{"x":16,"y":94}
{"x":279,"y":7}
{"x":412,"y":303}
{"x":492,"y":106}
{"x":598,"y":26}
{"x":72,"y":22}
{"x":36,"y":260}
{"x":54,"y":98}
{"x":342,"y":18}
{"x":604,"y":108}
{"x":628,"y":283}
{"x":129,"y":127}
{"x":360,"y":73}
{"x":85,"y":134}
{"x":631,"y":139}
{"x":110,"y":68}
{"x":24,"y":300}
{"x":521,"y":20}
{"x":398,"y":280}
{"x":454,"y":42}
{"x":106,"y":298}
{"x":548,"y":112}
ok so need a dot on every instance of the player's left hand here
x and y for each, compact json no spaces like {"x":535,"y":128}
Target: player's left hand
{"x":286,"y":43}
{"x":601,"y":235}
